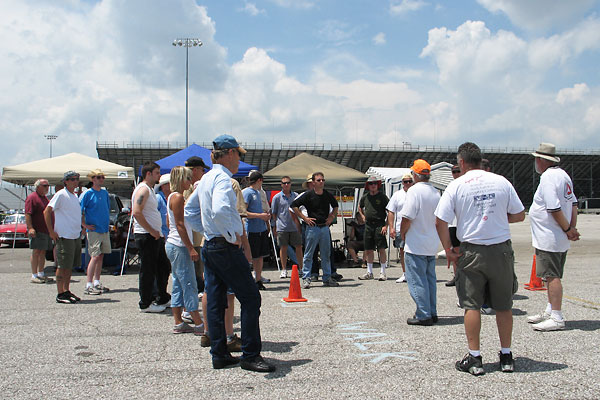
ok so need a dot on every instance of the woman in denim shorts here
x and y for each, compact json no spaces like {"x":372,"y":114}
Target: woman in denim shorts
{"x":181,"y":253}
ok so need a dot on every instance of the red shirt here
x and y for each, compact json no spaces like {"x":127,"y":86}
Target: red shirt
{"x":34,"y":206}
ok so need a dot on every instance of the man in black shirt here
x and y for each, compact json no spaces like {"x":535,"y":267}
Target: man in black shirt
{"x":317,"y":202}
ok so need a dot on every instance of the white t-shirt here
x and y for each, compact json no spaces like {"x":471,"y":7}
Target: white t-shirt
{"x":480,"y":201}
{"x":395,"y":205}
{"x":174,"y":237}
{"x":150,"y":210}
{"x":555,"y":193}
{"x":67,"y":214}
{"x":420,"y":203}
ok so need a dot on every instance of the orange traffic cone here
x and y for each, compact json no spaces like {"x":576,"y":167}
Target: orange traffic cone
{"x":295,"y":293}
{"x":535,"y":283}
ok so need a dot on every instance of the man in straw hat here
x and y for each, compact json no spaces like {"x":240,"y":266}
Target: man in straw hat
{"x":226,"y":265}
{"x":65,"y":231}
{"x":553,"y":217}
{"x":484,"y":204}
{"x":95,"y":210}
{"x":371,"y":207}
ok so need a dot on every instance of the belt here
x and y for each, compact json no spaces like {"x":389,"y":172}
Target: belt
{"x":320,"y":225}
{"x":218,"y":239}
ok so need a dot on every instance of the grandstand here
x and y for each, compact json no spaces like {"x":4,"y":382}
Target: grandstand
{"x":516,"y":164}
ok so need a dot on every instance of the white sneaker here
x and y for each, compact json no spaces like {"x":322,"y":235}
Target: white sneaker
{"x":486,"y":310}
{"x":382,"y":277}
{"x":153,"y":308}
{"x":537,"y":318}
{"x":264,"y":280}
{"x":401,"y":279}
{"x":550,"y":324}
{"x":283,"y":274}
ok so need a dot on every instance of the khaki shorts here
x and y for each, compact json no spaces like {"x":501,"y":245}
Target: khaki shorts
{"x":486,"y":274}
{"x":289,"y":238}
{"x":549,"y":264}
{"x":68,"y":253}
{"x":41,"y":241}
{"x":98,"y":243}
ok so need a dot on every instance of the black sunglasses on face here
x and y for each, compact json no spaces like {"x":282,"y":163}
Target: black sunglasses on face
{"x":319,"y":180}
{"x":456,"y":172}
{"x":285,"y":183}
{"x":372,"y":183}
{"x":406,"y":181}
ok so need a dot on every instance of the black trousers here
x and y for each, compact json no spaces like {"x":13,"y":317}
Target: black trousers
{"x":154,"y":268}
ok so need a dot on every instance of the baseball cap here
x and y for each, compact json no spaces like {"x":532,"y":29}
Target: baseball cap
{"x":421,"y":167}
{"x":225,"y":142}
{"x":195,"y":161}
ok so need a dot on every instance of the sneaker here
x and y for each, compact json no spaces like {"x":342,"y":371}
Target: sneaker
{"x":305,"y":283}
{"x":234,"y":345}
{"x":485,"y":310}
{"x":337,"y":277}
{"x":187,"y":317}
{"x":507,"y":364}
{"x":153,"y":308}
{"x":551,"y":324}
{"x":402,"y":279}
{"x":65,"y":298}
{"x":72,"y":296}
{"x":314,"y":277}
{"x":470,"y":364}
{"x":91,"y":290}
{"x":204,"y":340}
{"x":260,"y":285}
{"x":283,"y":274}
{"x":47,"y":279}
{"x":199,"y":330}
{"x":382,"y":277}
{"x":367,"y":276}
{"x":264,"y":280}
{"x":451,"y":282}
{"x":37,"y":279}
{"x":537,"y":318}
{"x":182,"y":328}
{"x":330,"y":282}
{"x":102,"y":288}
{"x":166,"y":304}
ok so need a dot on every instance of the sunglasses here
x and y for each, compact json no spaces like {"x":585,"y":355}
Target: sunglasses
{"x":99,"y":177}
{"x":372,"y":183}
{"x":407,"y":181}
{"x":286,"y":183}
{"x":73,"y":179}
{"x":456,"y":172}
{"x":319,"y":180}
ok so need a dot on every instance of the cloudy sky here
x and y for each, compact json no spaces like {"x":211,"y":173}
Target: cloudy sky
{"x":496,"y":72}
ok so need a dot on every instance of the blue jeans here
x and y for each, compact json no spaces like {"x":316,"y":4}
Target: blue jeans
{"x":185,"y":288}
{"x":420,"y":276}
{"x":225,"y":265}
{"x":317,"y":235}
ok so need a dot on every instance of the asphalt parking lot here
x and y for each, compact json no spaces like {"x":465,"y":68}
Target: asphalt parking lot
{"x":346,"y":342}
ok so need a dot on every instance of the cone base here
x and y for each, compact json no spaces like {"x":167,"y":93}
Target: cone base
{"x":290,"y":300}
{"x":529,"y":287}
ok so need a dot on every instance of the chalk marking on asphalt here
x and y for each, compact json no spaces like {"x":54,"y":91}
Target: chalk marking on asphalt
{"x":364,"y":335}
{"x":379,"y":357}
{"x":362,"y":345}
{"x":353,"y":326}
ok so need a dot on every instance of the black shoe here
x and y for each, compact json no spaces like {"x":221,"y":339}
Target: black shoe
{"x":451,"y":282}
{"x":423,"y":322}
{"x":260,"y":286}
{"x":72,"y":296}
{"x":331,"y":282}
{"x":471,"y":364}
{"x":220,"y":363}
{"x":337,"y":277}
{"x":64,"y":298}
{"x":507,"y":364}
{"x":435,"y":318}
{"x":257,"y":364}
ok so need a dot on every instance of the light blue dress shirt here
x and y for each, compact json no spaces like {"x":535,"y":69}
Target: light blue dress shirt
{"x":192,"y":213}
{"x":218,"y":205}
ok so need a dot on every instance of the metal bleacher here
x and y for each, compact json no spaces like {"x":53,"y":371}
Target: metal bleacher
{"x":516,"y":164}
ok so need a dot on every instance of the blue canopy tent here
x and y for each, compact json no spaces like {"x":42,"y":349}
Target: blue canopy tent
{"x":175,"y":159}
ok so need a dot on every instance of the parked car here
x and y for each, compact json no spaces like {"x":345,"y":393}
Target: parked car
{"x":7,"y":230}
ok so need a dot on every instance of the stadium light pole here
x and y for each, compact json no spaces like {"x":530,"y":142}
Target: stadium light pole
{"x":187,"y":43}
{"x":50,"y":139}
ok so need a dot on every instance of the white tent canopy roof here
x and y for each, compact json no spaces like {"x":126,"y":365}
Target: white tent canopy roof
{"x":53,"y":170}
{"x":441,"y":174}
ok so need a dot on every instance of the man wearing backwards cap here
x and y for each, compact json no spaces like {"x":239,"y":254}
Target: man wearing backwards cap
{"x":421,"y":243}
{"x":225,"y":264}
{"x":553,"y":217}
{"x":65,"y":232}
{"x":95,"y":209}
{"x":484,"y":204}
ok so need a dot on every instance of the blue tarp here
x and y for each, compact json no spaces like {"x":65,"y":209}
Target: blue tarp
{"x":167,"y":163}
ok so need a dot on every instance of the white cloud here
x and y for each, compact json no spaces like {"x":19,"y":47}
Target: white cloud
{"x":540,"y":14}
{"x":572,"y":95}
{"x":379,"y":39}
{"x":251,"y":9}
{"x":299,"y":4}
{"x":399,"y":7}
{"x":337,"y":32}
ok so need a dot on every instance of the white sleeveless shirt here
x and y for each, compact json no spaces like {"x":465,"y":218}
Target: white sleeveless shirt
{"x":174,"y":237}
{"x":150,"y":211}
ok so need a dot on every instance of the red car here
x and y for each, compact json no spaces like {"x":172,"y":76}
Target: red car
{"x":7,"y":230}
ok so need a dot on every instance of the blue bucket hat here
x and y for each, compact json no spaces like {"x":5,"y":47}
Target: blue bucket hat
{"x":225,"y":142}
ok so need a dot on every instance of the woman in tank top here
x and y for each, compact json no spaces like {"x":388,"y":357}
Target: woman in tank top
{"x":182,"y":255}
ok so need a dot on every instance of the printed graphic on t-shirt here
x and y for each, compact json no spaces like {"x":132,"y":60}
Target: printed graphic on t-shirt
{"x":568,"y":191}
{"x":484,"y":201}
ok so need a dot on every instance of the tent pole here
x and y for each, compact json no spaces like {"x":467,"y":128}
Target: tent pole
{"x":127,"y":241}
